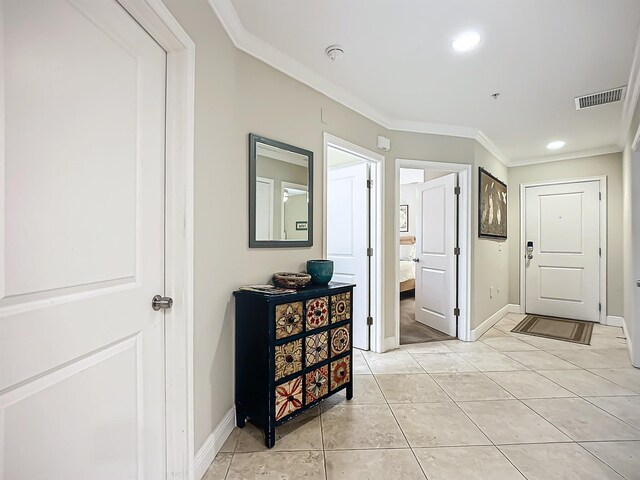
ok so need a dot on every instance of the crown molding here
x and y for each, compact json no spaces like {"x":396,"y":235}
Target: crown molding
{"x":631,"y":99}
{"x":566,"y":156}
{"x":486,"y":142}
{"x":258,"y":48}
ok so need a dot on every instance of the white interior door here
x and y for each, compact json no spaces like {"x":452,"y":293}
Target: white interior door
{"x":436,"y":224}
{"x":82,"y":243}
{"x":347,"y":239}
{"x":563,"y":275}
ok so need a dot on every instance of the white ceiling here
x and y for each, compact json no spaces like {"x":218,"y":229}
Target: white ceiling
{"x":399,"y":67}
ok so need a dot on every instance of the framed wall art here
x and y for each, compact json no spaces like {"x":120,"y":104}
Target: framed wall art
{"x":404,"y":218}
{"x":492,"y":206}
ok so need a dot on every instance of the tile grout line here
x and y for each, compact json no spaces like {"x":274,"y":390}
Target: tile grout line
{"x":402,"y":431}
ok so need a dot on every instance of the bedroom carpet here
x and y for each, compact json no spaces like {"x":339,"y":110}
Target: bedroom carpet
{"x":412,"y":331}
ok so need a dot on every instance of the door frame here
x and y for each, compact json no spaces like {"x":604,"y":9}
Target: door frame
{"x":160,"y":24}
{"x":272,"y":191}
{"x":376,"y":161}
{"x":602,"y":179}
{"x":464,"y":242}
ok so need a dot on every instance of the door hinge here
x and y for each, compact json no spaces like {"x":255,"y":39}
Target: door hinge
{"x":456,"y":251}
{"x":369,"y":183}
{"x":456,"y":312}
{"x":369,"y":252}
{"x":369,"y":320}
{"x":600,"y":195}
{"x":600,"y":251}
{"x":599,"y":307}
{"x":456,"y":190}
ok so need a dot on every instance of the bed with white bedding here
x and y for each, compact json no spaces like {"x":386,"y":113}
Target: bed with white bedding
{"x":407,"y":265}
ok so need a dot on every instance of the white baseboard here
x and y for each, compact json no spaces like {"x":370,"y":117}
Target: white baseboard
{"x":515,"y":308}
{"x":614,"y":321}
{"x":390,"y":343}
{"x":629,"y":344}
{"x":212,"y":445}
{"x":477,"y":332}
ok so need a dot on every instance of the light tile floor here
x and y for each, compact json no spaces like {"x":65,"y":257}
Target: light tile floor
{"x":509,"y":406}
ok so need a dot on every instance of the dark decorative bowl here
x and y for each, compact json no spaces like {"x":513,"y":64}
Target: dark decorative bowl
{"x":291,"y":279}
{"x":321,"y":271}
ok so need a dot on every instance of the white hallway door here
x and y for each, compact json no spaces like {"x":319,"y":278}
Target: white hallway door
{"x":81,"y":351}
{"x":562,"y":223}
{"x":436,"y":226}
{"x":347,"y":239}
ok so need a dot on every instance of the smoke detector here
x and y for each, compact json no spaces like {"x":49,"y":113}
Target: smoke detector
{"x":600,"y":98}
{"x":334,"y":52}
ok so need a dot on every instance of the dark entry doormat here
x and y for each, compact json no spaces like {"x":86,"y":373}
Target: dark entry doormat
{"x":564,"y":329}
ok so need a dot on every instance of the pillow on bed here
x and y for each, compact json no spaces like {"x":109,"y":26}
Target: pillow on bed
{"x":407,"y":252}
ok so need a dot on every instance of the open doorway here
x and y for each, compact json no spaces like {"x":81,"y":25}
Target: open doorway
{"x":352,"y":227}
{"x":433,"y":251}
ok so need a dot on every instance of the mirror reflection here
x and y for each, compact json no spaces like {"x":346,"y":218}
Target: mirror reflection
{"x":281,"y":194}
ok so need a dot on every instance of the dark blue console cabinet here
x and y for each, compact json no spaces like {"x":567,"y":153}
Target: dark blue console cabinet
{"x":292,"y":351}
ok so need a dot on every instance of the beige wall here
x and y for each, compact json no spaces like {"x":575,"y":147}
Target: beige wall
{"x":490,"y":256}
{"x":609,"y":165}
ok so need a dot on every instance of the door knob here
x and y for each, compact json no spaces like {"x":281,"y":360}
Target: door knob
{"x":161,"y":303}
{"x":416,"y":260}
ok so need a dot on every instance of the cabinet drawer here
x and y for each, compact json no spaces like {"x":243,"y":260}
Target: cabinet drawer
{"x":317,"y":312}
{"x":288,"y":319}
{"x":340,"y":340}
{"x":316,"y":348}
{"x":288,"y":397}
{"x":340,"y":307}
{"x":288,"y":358}
{"x":316,"y":384}
{"x":340,"y":372}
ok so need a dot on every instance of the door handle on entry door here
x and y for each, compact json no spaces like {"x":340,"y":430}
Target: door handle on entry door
{"x":416,"y":260}
{"x":529,"y":250}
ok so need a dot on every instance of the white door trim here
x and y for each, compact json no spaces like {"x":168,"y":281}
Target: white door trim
{"x":377,"y":224}
{"x":271,"y":183}
{"x":464,"y":238}
{"x":603,"y":237}
{"x":156,"y":19}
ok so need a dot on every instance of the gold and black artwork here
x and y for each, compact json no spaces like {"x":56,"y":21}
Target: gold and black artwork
{"x":492,"y":202}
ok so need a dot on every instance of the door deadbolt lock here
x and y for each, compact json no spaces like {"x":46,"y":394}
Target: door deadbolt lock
{"x":529,"y":250}
{"x":161,"y":303}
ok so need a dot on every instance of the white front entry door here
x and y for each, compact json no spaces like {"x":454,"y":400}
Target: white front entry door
{"x":562,"y":224}
{"x":82,"y":244}
{"x":347,"y":239}
{"x":436,"y":225}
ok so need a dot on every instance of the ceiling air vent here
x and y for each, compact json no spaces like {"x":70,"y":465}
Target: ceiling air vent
{"x":600,"y":98}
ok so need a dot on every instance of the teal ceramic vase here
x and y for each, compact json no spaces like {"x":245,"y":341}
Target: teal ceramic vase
{"x":321,"y":271}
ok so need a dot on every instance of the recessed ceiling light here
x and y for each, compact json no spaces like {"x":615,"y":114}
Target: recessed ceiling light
{"x":466,"y":41}
{"x":556,"y":145}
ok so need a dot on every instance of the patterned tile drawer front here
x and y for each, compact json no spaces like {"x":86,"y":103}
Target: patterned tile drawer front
{"x":288,"y":397}
{"x":317,"y":384}
{"x":288,"y":358}
{"x":340,"y":372}
{"x":317,"y":312}
{"x":340,"y":307}
{"x":340,"y":340}
{"x":288,"y":319}
{"x":317,"y":348}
